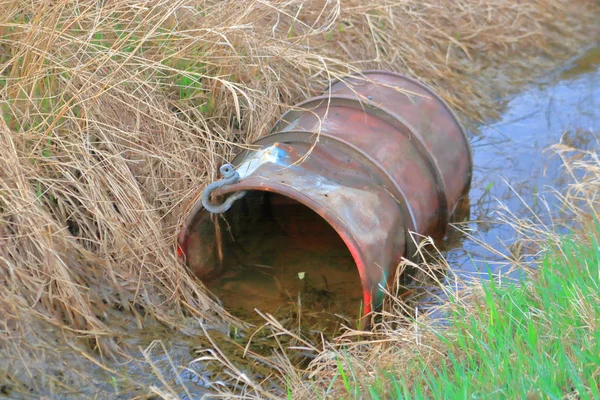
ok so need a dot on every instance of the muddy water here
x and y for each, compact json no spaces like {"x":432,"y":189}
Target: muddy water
{"x":290,"y":263}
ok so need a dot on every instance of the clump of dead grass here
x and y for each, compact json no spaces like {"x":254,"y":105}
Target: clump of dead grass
{"x":115,"y":114}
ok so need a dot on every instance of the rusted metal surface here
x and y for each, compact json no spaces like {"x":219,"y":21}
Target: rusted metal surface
{"x":376,"y":156}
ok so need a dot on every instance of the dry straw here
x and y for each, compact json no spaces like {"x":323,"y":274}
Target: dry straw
{"x":115,"y":114}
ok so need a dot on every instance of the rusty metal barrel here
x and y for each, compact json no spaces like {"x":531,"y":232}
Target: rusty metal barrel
{"x":379,"y":155}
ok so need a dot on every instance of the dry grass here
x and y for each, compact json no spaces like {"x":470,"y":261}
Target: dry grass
{"x":117,"y":113}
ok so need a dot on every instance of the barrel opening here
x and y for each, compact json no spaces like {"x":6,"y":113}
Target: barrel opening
{"x":269,"y":252}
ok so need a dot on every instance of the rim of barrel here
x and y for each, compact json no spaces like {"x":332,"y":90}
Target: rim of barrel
{"x":395,"y":121}
{"x":349,"y":241}
{"x":256,"y":184}
{"x":434,"y":94}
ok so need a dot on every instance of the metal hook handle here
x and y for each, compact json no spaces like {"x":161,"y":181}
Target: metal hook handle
{"x":230,"y":176}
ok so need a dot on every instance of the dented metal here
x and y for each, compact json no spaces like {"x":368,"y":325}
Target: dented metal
{"x":377,"y":156}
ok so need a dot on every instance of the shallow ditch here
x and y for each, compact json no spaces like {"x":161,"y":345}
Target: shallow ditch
{"x":304,"y":275}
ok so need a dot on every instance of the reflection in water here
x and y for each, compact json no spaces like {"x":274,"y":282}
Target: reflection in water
{"x":512,"y":163}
